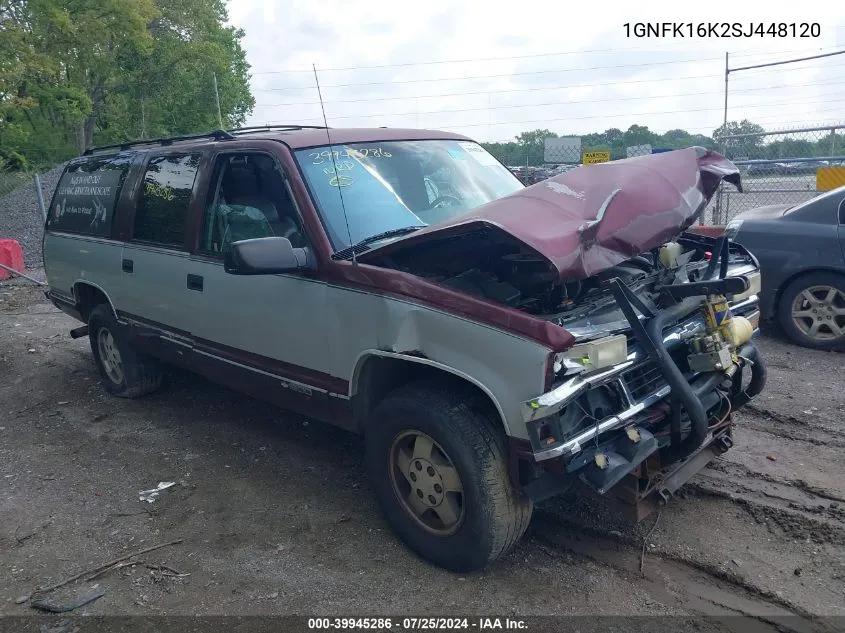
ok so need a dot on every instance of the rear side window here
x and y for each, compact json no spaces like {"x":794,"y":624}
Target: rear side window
{"x":162,"y":210}
{"x":86,"y":196}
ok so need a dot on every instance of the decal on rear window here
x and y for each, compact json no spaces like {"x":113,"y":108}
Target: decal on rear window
{"x":86,"y":196}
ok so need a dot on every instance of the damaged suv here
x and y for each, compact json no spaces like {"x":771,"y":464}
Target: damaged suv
{"x":495,"y":344}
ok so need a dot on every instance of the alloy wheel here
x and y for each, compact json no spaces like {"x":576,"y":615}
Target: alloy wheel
{"x":819,"y":312}
{"x":427,"y":483}
{"x":110,"y":356}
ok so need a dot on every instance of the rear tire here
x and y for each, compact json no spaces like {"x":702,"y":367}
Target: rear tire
{"x":811,"y":311}
{"x":460,"y":447}
{"x":124,"y":372}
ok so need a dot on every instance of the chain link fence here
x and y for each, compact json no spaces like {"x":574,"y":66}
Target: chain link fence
{"x":783,"y":167}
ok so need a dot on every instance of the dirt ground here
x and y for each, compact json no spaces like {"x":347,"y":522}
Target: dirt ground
{"x":275,"y":515}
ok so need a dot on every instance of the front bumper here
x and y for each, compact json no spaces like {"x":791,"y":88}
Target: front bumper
{"x":554,"y":401}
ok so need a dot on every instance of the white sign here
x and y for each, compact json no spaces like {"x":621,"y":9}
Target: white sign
{"x":566,"y":149}
{"x":638,"y":150}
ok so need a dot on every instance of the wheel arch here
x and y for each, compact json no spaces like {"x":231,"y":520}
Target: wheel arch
{"x":89,"y":295}
{"x":379,"y":372}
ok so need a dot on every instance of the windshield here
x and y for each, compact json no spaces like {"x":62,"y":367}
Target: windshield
{"x":392,"y":185}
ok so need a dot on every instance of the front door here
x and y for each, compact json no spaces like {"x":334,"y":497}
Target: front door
{"x":268,"y":328}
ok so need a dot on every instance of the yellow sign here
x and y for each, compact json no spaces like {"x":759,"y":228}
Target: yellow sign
{"x":828,"y":178}
{"x":591,"y":158}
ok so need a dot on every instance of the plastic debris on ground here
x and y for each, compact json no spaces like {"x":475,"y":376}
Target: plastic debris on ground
{"x":151,"y":495}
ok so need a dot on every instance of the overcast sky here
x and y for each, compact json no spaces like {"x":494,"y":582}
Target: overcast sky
{"x":515,"y":66}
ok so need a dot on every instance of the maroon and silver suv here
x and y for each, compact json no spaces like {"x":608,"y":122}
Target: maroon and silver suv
{"x":495,"y":344}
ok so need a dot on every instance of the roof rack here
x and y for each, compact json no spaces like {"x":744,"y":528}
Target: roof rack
{"x":274,"y":126}
{"x":217,"y":135}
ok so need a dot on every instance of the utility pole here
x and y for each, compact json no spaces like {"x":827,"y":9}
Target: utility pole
{"x":727,"y":72}
{"x":217,"y":100}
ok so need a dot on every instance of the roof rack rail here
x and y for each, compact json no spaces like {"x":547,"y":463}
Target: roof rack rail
{"x":218,"y":135}
{"x":274,"y":126}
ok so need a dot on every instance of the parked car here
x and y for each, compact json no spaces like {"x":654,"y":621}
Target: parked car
{"x":801,"y":250}
{"x":494,"y":344}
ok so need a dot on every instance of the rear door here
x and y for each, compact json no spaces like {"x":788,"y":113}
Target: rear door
{"x":155,"y":260}
{"x":79,"y":245}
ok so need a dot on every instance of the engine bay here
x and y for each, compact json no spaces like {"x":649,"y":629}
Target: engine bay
{"x":485,"y":264}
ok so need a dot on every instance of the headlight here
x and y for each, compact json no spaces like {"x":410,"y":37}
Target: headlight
{"x":598,"y":354}
{"x":755,"y":283}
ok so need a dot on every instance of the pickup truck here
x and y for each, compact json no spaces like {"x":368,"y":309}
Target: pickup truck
{"x":495,"y":344}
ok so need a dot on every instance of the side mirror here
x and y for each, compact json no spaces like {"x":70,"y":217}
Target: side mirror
{"x":264,"y":256}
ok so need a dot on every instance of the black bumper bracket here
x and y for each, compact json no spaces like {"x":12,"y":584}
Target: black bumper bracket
{"x":620,"y":460}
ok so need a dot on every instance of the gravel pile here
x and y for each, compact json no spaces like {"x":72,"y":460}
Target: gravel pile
{"x":20,"y":218}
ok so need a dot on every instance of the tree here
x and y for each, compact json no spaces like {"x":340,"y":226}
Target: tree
{"x":533,"y":144}
{"x":193,"y":44}
{"x":529,"y":144}
{"x":749,"y":145}
{"x":76,"y":72}
{"x":639,"y":135}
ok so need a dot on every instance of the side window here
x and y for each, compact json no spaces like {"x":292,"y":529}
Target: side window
{"x":248,"y":199}
{"x":86,"y":195}
{"x":162,"y":210}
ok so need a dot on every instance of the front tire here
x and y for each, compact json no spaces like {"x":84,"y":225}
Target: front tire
{"x":124,"y":372}
{"x":438,"y":464}
{"x":811,"y":311}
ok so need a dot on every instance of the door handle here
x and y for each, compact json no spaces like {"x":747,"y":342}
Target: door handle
{"x":128,"y":266}
{"x":195,"y":282}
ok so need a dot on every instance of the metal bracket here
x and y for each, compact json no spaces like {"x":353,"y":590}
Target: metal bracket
{"x":723,"y":286}
{"x":628,"y":301}
{"x":721,"y":258}
{"x":20,"y":274}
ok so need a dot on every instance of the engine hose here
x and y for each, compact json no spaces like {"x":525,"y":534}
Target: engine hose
{"x":751,"y":356}
{"x":681,"y":389}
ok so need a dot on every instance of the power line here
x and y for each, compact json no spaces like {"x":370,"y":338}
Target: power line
{"x":786,"y":61}
{"x":508,"y":90}
{"x":565,"y":102}
{"x":535,"y":89}
{"x":498,"y":76}
{"x":616,"y":116}
{"x":506,"y":58}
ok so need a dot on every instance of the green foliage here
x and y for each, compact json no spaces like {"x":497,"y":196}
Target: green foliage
{"x":12,"y":161}
{"x":748,"y":146}
{"x":527,"y":148}
{"x":77,"y":73}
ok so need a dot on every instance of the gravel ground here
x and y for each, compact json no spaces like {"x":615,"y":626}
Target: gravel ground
{"x":21,"y":220}
{"x":276,"y":516}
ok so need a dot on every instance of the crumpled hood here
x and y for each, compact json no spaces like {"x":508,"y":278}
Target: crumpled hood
{"x":595,"y":217}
